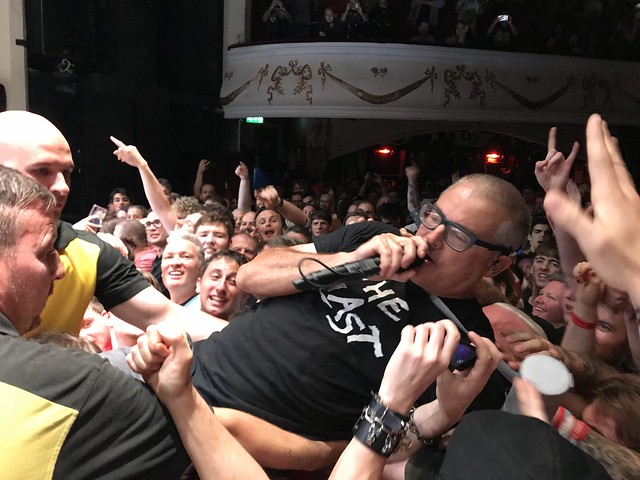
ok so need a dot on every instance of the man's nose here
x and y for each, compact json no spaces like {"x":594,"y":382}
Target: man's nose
{"x":59,"y":268}
{"x":435,"y":237}
{"x":60,"y":185}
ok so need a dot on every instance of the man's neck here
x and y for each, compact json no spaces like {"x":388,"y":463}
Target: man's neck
{"x":182,"y":295}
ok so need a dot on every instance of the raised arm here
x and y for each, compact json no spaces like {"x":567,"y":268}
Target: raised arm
{"x":422,"y":354}
{"x":553,"y":173}
{"x":153,"y":190}
{"x":270,"y":198}
{"x":580,"y":334}
{"x":611,"y":237}
{"x":244,"y":189}
{"x":455,"y":392}
{"x":163,"y":357}
{"x":271,"y":273}
{"x":413,"y":191}
{"x":197,"y":183}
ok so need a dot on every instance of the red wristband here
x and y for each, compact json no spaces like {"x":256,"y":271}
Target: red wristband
{"x":579,"y":432}
{"x":558,"y":417}
{"x":578,"y":322}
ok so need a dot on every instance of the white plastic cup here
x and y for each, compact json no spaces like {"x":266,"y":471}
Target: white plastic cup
{"x":550,"y":377}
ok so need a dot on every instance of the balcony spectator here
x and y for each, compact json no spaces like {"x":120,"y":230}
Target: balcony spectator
{"x":278,"y":20}
{"x":417,"y":12}
{"x":329,"y":29}
{"x":423,"y":35}
{"x":381,"y":18}
{"x":625,"y":40}
{"x":468,"y":12}
{"x":355,"y":19}
{"x":460,"y":35}
{"x":501,"y":33}
{"x":557,"y":42}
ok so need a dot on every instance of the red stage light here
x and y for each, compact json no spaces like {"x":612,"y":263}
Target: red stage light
{"x":492,"y":158}
{"x":384,"y":151}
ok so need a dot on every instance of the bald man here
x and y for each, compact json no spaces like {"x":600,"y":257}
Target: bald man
{"x":32,"y":145}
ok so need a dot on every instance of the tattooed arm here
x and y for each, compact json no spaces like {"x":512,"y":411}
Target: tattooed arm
{"x":413,"y":198}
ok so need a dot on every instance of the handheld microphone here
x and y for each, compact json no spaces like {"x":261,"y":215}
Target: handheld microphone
{"x":357,"y":270}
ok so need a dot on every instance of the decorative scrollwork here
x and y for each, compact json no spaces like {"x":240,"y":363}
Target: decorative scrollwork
{"x":431,"y":75}
{"x":379,"y":71}
{"x":490,"y":79}
{"x":303,"y":73}
{"x":476,"y":82}
{"x":451,"y":78}
{"x":322,"y":73}
{"x":263,"y":72}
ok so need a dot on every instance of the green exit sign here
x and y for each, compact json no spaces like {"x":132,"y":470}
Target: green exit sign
{"x":254,"y":120}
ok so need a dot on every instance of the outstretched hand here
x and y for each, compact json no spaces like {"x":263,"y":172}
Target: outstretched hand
{"x":423,"y":353}
{"x":456,"y":390}
{"x":242,"y":171}
{"x":610,"y":238}
{"x":128,"y":154}
{"x":554,"y":170}
{"x":268,"y":196}
{"x":589,"y":289}
{"x":203,"y":165}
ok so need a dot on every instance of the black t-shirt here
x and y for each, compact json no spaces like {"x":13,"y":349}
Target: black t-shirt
{"x":554,"y":335}
{"x":308,"y":362}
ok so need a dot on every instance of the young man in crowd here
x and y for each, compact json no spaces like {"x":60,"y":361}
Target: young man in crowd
{"x":182,"y":261}
{"x":220,"y":295}
{"x":244,"y":244}
{"x":214,"y":230}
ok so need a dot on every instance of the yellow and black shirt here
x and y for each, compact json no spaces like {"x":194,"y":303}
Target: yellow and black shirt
{"x":67,"y":414}
{"x":91,"y":267}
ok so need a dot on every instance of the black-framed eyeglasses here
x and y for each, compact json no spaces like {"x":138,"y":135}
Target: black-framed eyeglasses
{"x":153,"y":223}
{"x":456,"y":236}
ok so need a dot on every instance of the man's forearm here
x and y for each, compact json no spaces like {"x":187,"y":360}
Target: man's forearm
{"x":212,"y":449}
{"x":413,"y":198}
{"x":293,"y":213}
{"x":157,"y":199}
{"x":244,"y":195}
{"x":272,"y":272}
{"x":274,"y":447}
{"x":358,"y":462}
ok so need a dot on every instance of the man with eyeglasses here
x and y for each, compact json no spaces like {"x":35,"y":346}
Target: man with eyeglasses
{"x":32,"y":145}
{"x":307,"y":362}
{"x":157,"y":239}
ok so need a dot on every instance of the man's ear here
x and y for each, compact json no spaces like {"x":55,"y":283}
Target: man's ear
{"x":198,"y":285}
{"x":498,"y":265}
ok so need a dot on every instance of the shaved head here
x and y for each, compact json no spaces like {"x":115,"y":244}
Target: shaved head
{"x":34,"y":146}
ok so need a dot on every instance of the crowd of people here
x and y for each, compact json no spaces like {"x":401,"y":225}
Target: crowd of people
{"x":564,"y":28}
{"x":139,"y":341}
